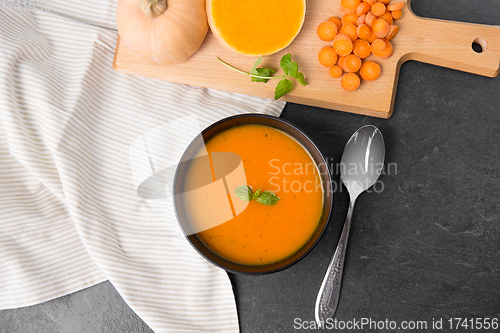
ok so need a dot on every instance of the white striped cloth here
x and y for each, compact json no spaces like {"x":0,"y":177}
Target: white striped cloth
{"x":70,"y":216}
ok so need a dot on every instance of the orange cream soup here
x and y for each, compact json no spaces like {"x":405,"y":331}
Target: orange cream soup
{"x":276,"y":162}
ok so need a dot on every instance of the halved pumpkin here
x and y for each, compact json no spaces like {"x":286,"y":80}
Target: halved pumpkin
{"x":256,"y":27}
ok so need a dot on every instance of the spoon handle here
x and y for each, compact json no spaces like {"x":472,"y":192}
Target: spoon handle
{"x":328,"y":296}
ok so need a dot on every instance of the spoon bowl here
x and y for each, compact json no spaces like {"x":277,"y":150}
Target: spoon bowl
{"x":361,"y":165}
{"x":363,"y":160}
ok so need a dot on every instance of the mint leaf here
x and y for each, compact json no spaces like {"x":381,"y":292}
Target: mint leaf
{"x":290,"y":68}
{"x":300,"y":78}
{"x":283,"y":88}
{"x":268,"y":198}
{"x":285,"y":62}
{"x":244,"y":192}
{"x":257,"y":63}
{"x":267,"y":72}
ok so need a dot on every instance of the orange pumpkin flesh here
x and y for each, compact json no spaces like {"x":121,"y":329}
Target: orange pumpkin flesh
{"x":256,"y":27}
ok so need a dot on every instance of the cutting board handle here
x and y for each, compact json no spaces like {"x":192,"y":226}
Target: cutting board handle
{"x":449,"y":44}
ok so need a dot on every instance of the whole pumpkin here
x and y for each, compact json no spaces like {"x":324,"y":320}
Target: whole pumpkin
{"x":166,"y":32}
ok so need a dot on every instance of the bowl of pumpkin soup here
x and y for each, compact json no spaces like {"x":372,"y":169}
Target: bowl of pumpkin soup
{"x":252,"y":194}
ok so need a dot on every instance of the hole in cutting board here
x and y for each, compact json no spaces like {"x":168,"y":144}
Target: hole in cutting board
{"x":479,"y":45}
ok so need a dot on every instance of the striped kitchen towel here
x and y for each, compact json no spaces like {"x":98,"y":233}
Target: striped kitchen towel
{"x":70,"y":216}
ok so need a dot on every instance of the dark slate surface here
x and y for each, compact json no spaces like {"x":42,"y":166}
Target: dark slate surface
{"x":426,"y":247}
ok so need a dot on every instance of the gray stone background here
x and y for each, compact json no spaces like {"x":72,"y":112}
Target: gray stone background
{"x":427,"y":247}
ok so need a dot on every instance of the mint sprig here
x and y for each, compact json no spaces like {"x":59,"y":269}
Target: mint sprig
{"x":260,"y":74}
{"x":245,"y":193}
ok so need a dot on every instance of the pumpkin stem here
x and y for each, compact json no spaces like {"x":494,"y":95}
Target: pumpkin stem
{"x":153,"y":8}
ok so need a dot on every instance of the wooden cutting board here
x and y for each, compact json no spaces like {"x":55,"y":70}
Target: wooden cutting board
{"x":443,"y":43}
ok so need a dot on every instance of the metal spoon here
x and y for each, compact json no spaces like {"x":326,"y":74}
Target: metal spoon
{"x":361,"y":165}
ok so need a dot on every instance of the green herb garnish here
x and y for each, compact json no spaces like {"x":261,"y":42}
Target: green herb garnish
{"x":262,"y":72}
{"x":290,"y":68}
{"x":256,"y":194}
{"x":246,"y":193}
{"x":268,"y":198}
{"x":283,"y":88}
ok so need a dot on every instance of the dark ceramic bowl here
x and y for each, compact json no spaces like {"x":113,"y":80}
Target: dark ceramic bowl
{"x":279,"y":124}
